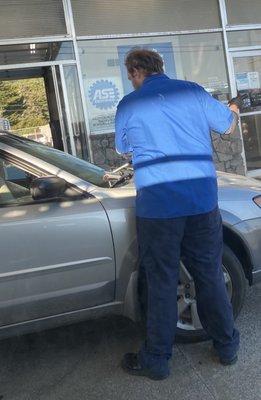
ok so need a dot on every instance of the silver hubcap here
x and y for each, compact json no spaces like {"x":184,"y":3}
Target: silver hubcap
{"x":188,"y":318}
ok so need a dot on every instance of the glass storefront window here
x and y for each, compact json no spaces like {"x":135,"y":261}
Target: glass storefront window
{"x":251,"y":131}
{"x":105,"y":17}
{"x":30,"y":18}
{"x":244,"y":38}
{"x":248,"y":81}
{"x":240,"y":12}
{"x":197,"y":57}
{"x":36,"y":52}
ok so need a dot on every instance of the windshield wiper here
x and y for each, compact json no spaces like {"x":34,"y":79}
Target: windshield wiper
{"x":122,"y":167}
{"x":119,"y":175}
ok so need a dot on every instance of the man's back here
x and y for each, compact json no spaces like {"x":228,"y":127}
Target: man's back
{"x":167,"y":126}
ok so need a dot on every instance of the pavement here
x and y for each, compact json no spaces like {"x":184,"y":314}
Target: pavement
{"x":82,"y":362}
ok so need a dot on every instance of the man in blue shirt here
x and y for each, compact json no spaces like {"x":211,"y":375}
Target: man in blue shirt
{"x":165,"y":124}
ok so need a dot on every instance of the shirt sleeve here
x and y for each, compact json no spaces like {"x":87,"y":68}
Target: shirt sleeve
{"x":220,"y":117}
{"x":121,"y":141}
{"x":234,"y":123}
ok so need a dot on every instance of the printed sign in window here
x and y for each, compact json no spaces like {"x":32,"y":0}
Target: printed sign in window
{"x":103,"y":96}
{"x":248,"y":80}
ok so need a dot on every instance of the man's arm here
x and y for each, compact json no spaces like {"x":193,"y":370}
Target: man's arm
{"x":234,"y":122}
{"x":221,"y":119}
{"x":235,"y":105}
{"x":121,"y":141}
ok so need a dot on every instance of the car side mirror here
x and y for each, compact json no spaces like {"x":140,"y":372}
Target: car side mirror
{"x":47,"y":187}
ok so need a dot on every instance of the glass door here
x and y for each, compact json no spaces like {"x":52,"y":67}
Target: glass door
{"x":66,"y":130}
{"x":247,"y":72}
{"x":76,"y":113}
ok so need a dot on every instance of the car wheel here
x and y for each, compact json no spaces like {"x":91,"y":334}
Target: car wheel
{"x":189,"y":328}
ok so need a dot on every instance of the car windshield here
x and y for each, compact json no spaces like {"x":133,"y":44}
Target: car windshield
{"x":80,"y":168}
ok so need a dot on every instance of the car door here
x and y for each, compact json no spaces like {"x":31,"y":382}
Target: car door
{"x":56,"y":256}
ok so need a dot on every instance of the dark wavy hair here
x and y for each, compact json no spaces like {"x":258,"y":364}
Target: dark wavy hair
{"x":148,"y":61}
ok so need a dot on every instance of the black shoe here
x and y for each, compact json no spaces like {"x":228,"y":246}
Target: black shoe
{"x":131,"y":365}
{"x":228,"y":361}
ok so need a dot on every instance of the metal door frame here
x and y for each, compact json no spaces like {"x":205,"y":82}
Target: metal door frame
{"x":59,"y":107}
{"x":68,"y":112}
{"x":53,"y":65}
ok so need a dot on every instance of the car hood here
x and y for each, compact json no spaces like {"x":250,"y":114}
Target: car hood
{"x":237,"y":181}
{"x":233,"y":187}
{"x":235,"y":194}
{"x":225,"y":180}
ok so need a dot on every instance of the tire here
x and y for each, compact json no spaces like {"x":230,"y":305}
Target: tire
{"x":236,"y":285}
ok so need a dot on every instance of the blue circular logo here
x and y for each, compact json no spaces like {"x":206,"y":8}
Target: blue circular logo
{"x":104,"y":94}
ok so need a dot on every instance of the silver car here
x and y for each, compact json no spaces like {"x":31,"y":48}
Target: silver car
{"x":68,"y":241}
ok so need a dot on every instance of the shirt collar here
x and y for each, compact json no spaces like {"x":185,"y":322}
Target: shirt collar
{"x":155,"y":77}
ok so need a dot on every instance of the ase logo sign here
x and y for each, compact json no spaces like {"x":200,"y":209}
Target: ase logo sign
{"x":103,"y":94}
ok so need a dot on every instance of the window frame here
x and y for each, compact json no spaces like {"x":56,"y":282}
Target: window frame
{"x":237,"y":26}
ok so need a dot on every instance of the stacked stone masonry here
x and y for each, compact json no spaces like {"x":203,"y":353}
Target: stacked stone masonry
{"x":227,"y":152}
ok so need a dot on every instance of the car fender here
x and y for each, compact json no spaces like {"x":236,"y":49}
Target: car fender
{"x":131,"y":305}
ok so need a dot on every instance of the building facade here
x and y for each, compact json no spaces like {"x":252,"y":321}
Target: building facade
{"x":79,"y":46}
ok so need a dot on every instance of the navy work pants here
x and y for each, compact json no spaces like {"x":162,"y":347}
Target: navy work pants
{"x":161,"y":241}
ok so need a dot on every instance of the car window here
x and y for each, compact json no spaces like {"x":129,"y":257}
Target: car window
{"x":15,"y":186}
{"x":80,"y":168}
{"x":16,"y":175}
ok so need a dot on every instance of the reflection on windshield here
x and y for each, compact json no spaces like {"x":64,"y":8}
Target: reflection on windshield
{"x":80,"y":168}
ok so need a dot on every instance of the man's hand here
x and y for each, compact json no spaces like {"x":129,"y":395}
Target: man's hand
{"x":237,"y":103}
{"x":234,"y":108}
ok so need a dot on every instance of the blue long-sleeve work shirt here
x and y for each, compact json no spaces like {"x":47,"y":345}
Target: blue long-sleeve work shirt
{"x":166,"y":124}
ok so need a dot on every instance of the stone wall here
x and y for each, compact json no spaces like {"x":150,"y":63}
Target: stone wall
{"x":227,"y":152}
{"x":104,"y":154}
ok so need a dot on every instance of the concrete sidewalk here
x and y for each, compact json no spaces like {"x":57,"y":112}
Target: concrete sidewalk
{"x":81,"y":362}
